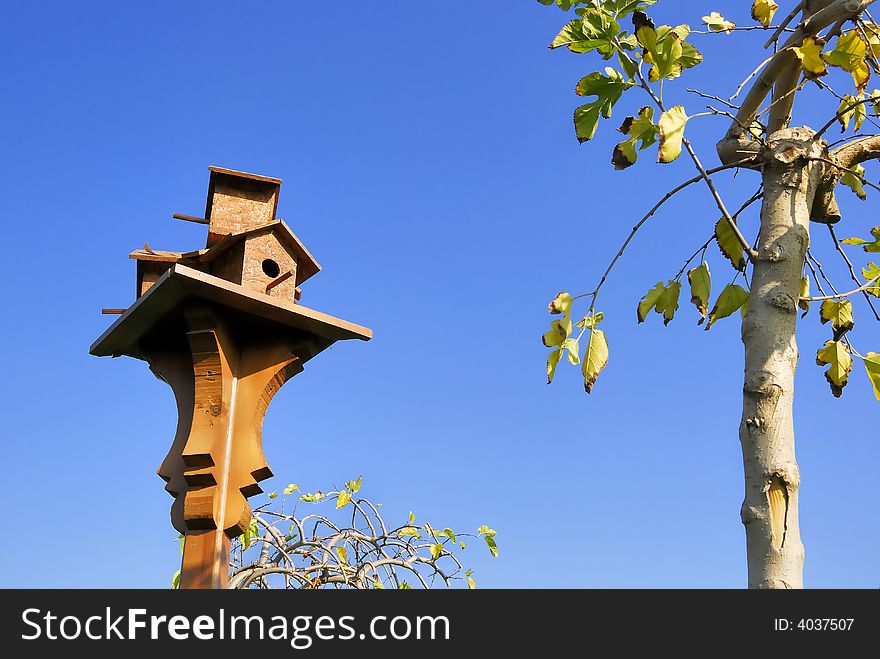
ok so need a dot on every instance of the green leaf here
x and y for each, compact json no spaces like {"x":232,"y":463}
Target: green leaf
{"x":849,"y":54}
{"x":246,"y":538}
{"x":462,"y":544}
{"x":291,"y":488}
{"x":436,"y":551}
{"x":313,"y":498}
{"x":595,"y":358}
{"x":471,"y":583}
{"x":663,"y":299}
{"x":667,"y":51}
{"x":868,"y":245}
{"x":572,"y":35}
{"x":342,"y":500}
{"x":485,"y":530}
{"x":803,"y":302}
{"x":835,"y":354}
{"x":273,"y":494}
{"x":378,"y":585}
{"x":403,"y":586}
{"x":845,"y":112}
{"x":872,"y":273}
{"x":354,"y":486}
{"x":639,"y":129}
{"x":667,"y":304}
{"x":649,"y":301}
{"x":853,"y":178}
{"x":840,"y":314}
{"x":717,"y":23}
{"x":493,"y":547}
{"x":701,"y":288}
{"x":449,"y":534}
{"x":175,"y":578}
{"x":591,"y":321}
{"x":729,"y":244}
{"x":872,"y":365}
{"x":733,"y":297}
{"x":861,"y":113}
{"x":763,"y":11}
{"x":607,"y":89}
{"x":671,"y":127}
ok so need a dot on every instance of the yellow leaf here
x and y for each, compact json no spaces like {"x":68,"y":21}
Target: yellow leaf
{"x":849,"y":54}
{"x":701,"y":287}
{"x":717,"y":23}
{"x":810,"y":55}
{"x":595,"y":358}
{"x":763,"y":11}
{"x":671,"y":125}
{"x":872,"y":365}
{"x":342,"y":554}
{"x":732,"y":298}
{"x":436,"y":550}
{"x":552,"y":362}
{"x":729,"y":244}
{"x":343,"y":499}
{"x":803,"y":302}
{"x":471,"y":583}
{"x":668,"y":302}
{"x":649,"y":301}
{"x":854,"y":180}
{"x":561,"y":304}
{"x":835,"y":354}
{"x":839,"y":313}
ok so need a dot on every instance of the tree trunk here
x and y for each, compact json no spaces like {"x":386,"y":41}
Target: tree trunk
{"x":772,"y":479}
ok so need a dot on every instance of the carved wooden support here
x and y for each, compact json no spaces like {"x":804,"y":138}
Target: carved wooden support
{"x":223,"y":385}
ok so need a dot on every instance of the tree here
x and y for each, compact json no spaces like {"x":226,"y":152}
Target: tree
{"x":310,"y":550}
{"x":799,"y":176}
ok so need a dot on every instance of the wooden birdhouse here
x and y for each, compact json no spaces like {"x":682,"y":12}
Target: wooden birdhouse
{"x":246,"y":244}
{"x":222,"y":326}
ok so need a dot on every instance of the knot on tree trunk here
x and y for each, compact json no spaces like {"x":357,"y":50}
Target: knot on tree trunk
{"x":793,"y":148}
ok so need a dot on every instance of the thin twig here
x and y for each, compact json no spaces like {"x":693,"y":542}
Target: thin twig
{"x":646,"y":217}
{"x":733,"y":106}
{"x":863,"y":288}
{"x":852,"y":270}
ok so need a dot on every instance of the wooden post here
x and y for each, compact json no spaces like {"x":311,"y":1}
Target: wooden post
{"x":207,"y":325}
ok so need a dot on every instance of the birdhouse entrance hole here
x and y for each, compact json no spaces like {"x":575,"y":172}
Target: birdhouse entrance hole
{"x":271,"y":268}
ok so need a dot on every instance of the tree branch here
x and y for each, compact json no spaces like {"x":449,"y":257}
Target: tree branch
{"x":779,"y":63}
{"x":856,"y":152}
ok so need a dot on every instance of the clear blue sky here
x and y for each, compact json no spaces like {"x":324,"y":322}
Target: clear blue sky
{"x":430,"y":165}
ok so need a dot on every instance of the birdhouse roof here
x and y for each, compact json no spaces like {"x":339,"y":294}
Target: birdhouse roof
{"x":180,"y":283}
{"x":306,"y":265}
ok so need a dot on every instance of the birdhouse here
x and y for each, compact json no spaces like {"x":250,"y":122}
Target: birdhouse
{"x":223,"y":327}
{"x":246,"y":244}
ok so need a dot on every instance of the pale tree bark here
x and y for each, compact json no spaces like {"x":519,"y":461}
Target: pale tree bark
{"x":799,"y":179}
{"x":772,"y":479}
